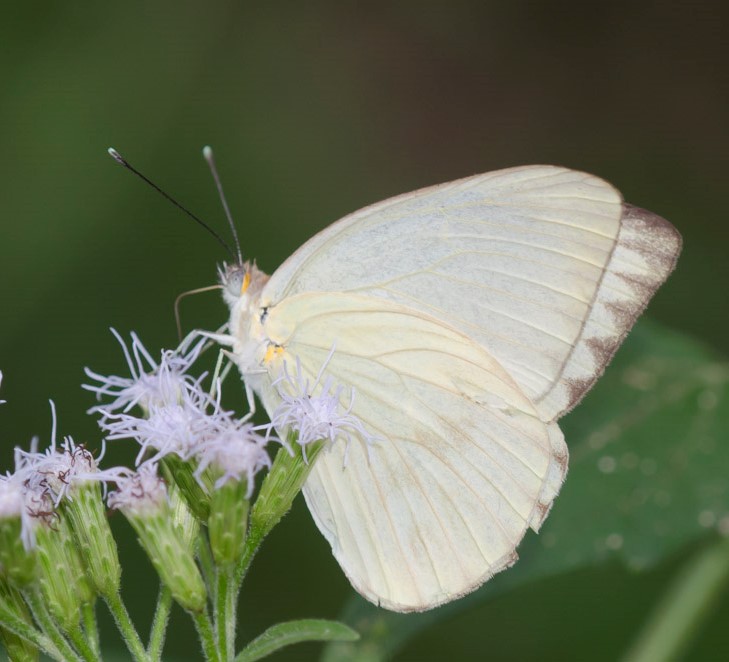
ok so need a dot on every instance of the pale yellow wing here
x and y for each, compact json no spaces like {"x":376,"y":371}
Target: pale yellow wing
{"x":463,"y":463}
{"x":545,"y":267}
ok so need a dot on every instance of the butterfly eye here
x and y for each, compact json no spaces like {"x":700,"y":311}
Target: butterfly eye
{"x":236,"y":279}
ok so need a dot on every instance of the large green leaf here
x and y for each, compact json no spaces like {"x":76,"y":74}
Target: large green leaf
{"x":648,"y":475}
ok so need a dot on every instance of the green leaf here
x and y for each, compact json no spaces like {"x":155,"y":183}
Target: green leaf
{"x":647,"y":477}
{"x":294,"y":632}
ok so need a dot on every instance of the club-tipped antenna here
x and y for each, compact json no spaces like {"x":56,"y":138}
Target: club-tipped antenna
{"x":210,"y":158}
{"x":122,"y":161}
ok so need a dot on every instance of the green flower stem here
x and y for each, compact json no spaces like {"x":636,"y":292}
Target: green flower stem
{"x":206,"y":634}
{"x":278,"y":491}
{"x":126,"y":627}
{"x":684,"y":605}
{"x":281,"y":485}
{"x":253,"y":542}
{"x":159,"y":624}
{"x":205,"y":556}
{"x":221,"y":600}
{"x":45,"y":620}
{"x":19,"y":627}
{"x":77,"y":637}
{"x":226,"y":598}
{"x":91,"y":629}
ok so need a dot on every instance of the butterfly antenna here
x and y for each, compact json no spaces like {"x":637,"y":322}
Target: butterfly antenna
{"x":210,"y":158}
{"x":180,"y":297}
{"x":122,"y":161}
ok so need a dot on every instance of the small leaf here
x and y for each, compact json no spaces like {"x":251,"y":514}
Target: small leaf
{"x":647,"y":477}
{"x":294,"y":632}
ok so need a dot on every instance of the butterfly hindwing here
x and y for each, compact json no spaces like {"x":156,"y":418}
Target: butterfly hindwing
{"x":461,"y":464}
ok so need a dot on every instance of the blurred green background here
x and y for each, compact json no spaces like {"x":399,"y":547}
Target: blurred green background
{"x":314,"y":110}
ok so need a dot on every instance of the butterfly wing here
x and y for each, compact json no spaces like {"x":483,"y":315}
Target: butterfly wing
{"x":546,"y":267}
{"x":462,"y":463}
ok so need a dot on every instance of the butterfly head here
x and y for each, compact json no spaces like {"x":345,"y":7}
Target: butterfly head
{"x":242,"y":283}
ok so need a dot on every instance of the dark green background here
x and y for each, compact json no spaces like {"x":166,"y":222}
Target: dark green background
{"x":315,"y":109}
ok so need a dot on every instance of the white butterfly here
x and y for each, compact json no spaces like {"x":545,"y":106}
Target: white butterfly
{"x":468,"y":317}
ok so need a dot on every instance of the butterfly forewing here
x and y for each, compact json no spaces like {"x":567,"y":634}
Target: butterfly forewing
{"x":516,"y":259}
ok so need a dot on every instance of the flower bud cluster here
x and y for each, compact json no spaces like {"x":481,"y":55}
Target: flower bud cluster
{"x":179,"y":418}
{"x":54,"y":535}
{"x":195,"y":470}
{"x":202,"y":449}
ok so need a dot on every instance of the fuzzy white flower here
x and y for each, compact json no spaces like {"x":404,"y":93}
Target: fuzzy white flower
{"x":138,"y":492}
{"x":40,"y":480}
{"x":195,"y":427}
{"x":175,"y":428}
{"x":151,"y":383}
{"x":54,"y":472}
{"x":180,"y":417}
{"x":237,"y":450}
{"x":316,"y":414}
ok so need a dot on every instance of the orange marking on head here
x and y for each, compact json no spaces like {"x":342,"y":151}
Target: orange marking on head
{"x":246,"y":282}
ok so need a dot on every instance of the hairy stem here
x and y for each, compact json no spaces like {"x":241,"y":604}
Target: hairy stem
{"x":126,"y":627}
{"x":159,"y":624}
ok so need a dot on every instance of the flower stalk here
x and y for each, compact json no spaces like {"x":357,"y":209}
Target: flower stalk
{"x":280,"y":486}
{"x":126,"y":628}
{"x":159,"y":624}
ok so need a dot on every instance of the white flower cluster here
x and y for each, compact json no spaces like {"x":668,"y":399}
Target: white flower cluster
{"x":180,"y":419}
{"x":41,"y":480}
{"x":150,"y":384}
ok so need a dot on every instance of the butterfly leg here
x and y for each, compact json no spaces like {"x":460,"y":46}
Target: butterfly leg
{"x":250,"y":397}
{"x":216,"y":337}
{"x":224,"y":339}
